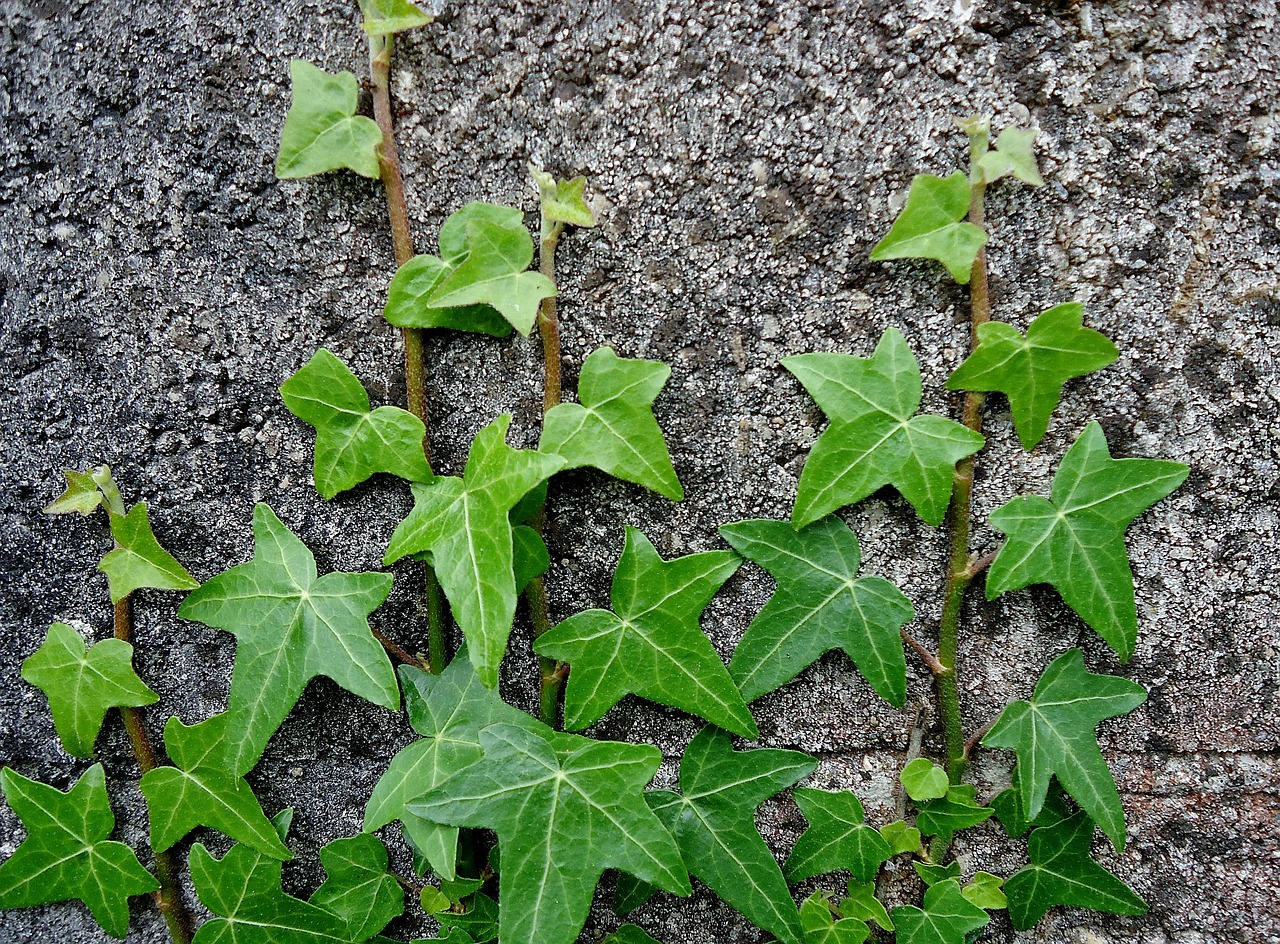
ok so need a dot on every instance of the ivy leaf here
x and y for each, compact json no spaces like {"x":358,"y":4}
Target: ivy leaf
{"x":357,"y":886}
{"x":1012,"y":156}
{"x":712,"y":821}
{"x":139,"y":560}
{"x":495,"y":273}
{"x":531,"y":559}
{"x":1061,"y":873}
{"x":947,"y":917}
{"x":613,"y":428}
{"x":630,"y":934}
{"x":863,"y":904}
{"x":82,"y":684}
{"x":408,"y":301}
{"x":901,"y":837}
{"x":384,"y":17}
{"x":1053,"y":735}
{"x":67,"y":854}
{"x":1008,"y":808}
{"x":81,"y":495}
{"x":322,"y":131}
{"x":563,"y":201}
{"x":986,"y":891}
{"x":651,"y":644}
{"x":836,"y":838}
{"x":874,"y":438}
{"x":479,"y":923}
{"x":821,"y":927}
{"x":565,"y":809}
{"x":924,"y":780}
{"x":463,"y":522}
{"x":1031,"y":370}
{"x":949,"y":814}
{"x":933,"y":874}
{"x":290,"y":626}
{"x":1076,"y":540}
{"x":353,"y":441}
{"x":820,"y":604}
{"x":200,"y":791}
{"x":930,"y":226}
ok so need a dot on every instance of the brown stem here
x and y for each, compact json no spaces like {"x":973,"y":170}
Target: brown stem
{"x":977,"y":736}
{"x":395,"y":651}
{"x":927,"y":657}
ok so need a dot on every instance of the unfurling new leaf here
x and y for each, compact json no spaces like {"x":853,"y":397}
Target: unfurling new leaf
{"x":563,"y":201}
{"x":322,"y":131}
{"x":384,"y":17}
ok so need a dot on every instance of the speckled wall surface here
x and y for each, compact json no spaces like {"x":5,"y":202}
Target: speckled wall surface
{"x":158,"y":284}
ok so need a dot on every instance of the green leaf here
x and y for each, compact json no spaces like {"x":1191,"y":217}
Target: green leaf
{"x":613,"y":428}
{"x":1012,"y":156}
{"x":463,"y":523}
{"x":630,"y":934}
{"x":836,"y":838}
{"x":901,"y":837}
{"x":930,"y":226}
{"x":67,"y":854}
{"x":408,"y":301}
{"x":821,"y":927}
{"x":447,"y":710}
{"x":1076,"y":540}
{"x":1008,"y":808}
{"x":933,"y":874}
{"x":322,"y":131}
{"x":986,"y":891}
{"x":353,"y":441}
{"x":459,"y":888}
{"x":383,"y":17}
{"x":478,"y":923}
{"x":290,"y":626}
{"x":863,"y":904}
{"x":82,"y":684}
{"x":1053,"y":735}
{"x":494,"y":273}
{"x":81,"y":495}
{"x":531,"y":559}
{"x":820,"y":604}
{"x":924,"y":780}
{"x":357,"y":886}
{"x":563,"y":201}
{"x":1061,"y":873}
{"x":139,"y":560}
{"x":434,"y":900}
{"x":1031,"y":370}
{"x":874,"y":438}
{"x":200,"y":791}
{"x":712,"y":821}
{"x":565,"y":809}
{"x":947,"y":917}
{"x":951,"y":813}
{"x":651,"y":644}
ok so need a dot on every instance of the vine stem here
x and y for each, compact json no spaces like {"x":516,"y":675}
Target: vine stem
{"x":169,"y":898}
{"x":415,"y":370}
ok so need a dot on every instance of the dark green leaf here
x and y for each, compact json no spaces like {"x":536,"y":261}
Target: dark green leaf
{"x":322,"y":131}
{"x":924,"y":780}
{"x":1076,"y":541}
{"x":948,"y":815}
{"x":630,"y":934}
{"x":139,"y":560}
{"x":459,"y":888}
{"x":383,"y":17}
{"x":1053,"y":735}
{"x":650,"y":644}
{"x":82,"y":684}
{"x":874,"y":438}
{"x":352,"y":441}
{"x":821,"y":927}
{"x":947,"y":917}
{"x":986,"y":891}
{"x":357,"y":886}
{"x":479,"y":922}
{"x":933,"y":874}
{"x":863,"y":904}
{"x":820,"y":604}
{"x":836,"y":838}
{"x":930,"y":226}
{"x":1008,"y":809}
{"x":530,"y":558}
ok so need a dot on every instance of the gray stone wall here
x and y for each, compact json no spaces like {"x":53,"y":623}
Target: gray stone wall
{"x":158,"y":284}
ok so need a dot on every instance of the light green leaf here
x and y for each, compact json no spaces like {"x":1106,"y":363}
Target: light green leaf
{"x":322,"y":131}
{"x":613,"y":428}
{"x":82,"y":684}
{"x":1076,"y":540}
{"x":1053,"y":735}
{"x":81,"y":495}
{"x":494,"y":273}
{"x":1031,"y":370}
{"x":874,"y":438}
{"x":352,"y":441}
{"x":433,"y":900}
{"x":651,"y":644}
{"x":67,"y":854}
{"x":932,"y":874}
{"x":1061,"y":873}
{"x":821,"y":927}
{"x":455,"y":890}
{"x":630,"y":934}
{"x":200,"y":791}
{"x":924,"y":780}
{"x":986,"y":891}
{"x":290,"y":626}
{"x":930,"y":226}
{"x":712,"y":821}
{"x":951,"y":813}
{"x":863,"y":904}
{"x":463,"y":522}
{"x":947,"y":917}
{"x":139,"y":560}
{"x":565,"y":809}
{"x":357,"y":886}
{"x":836,"y":838}
{"x":563,"y":201}
{"x":901,"y":837}
{"x":1012,"y":156}
{"x":383,"y":17}
{"x":414,"y":284}
{"x":820,"y":604}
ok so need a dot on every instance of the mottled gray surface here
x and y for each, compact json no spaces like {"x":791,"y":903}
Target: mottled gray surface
{"x":158,"y":284}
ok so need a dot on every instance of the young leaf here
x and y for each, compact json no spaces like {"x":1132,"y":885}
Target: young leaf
{"x":613,"y":428}
{"x":200,"y":791}
{"x":947,"y":917}
{"x":1053,"y":735}
{"x":139,"y":560}
{"x":1061,"y":873}
{"x":874,"y":438}
{"x":1076,"y":540}
{"x":82,"y":684}
{"x":933,"y":874}
{"x":565,"y":809}
{"x":836,"y":838}
{"x":67,"y":854}
{"x":901,"y":837}
{"x":924,"y":780}
{"x":322,"y":131}
{"x":820,"y":604}
{"x":650,"y":644}
{"x":821,"y":927}
{"x":357,"y":886}
{"x":479,"y":923}
{"x":290,"y":626}
{"x":495,"y":273}
{"x":951,"y":813}
{"x":712,"y":821}
{"x":930,"y":226}
{"x":863,"y":904}
{"x":630,"y":934}
{"x":352,"y":441}
{"x":1008,"y":808}
{"x":1012,"y":156}
{"x":463,"y":522}
{"x":986,"y":891}
{"x":384,"y":17}
{"x":408,"y":301}
{"x":1031,"y":370}
{"x":563,"y":201}
{"x":81,"y":495}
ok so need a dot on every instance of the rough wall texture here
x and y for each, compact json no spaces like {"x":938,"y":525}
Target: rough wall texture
{"x":158,"y":284}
